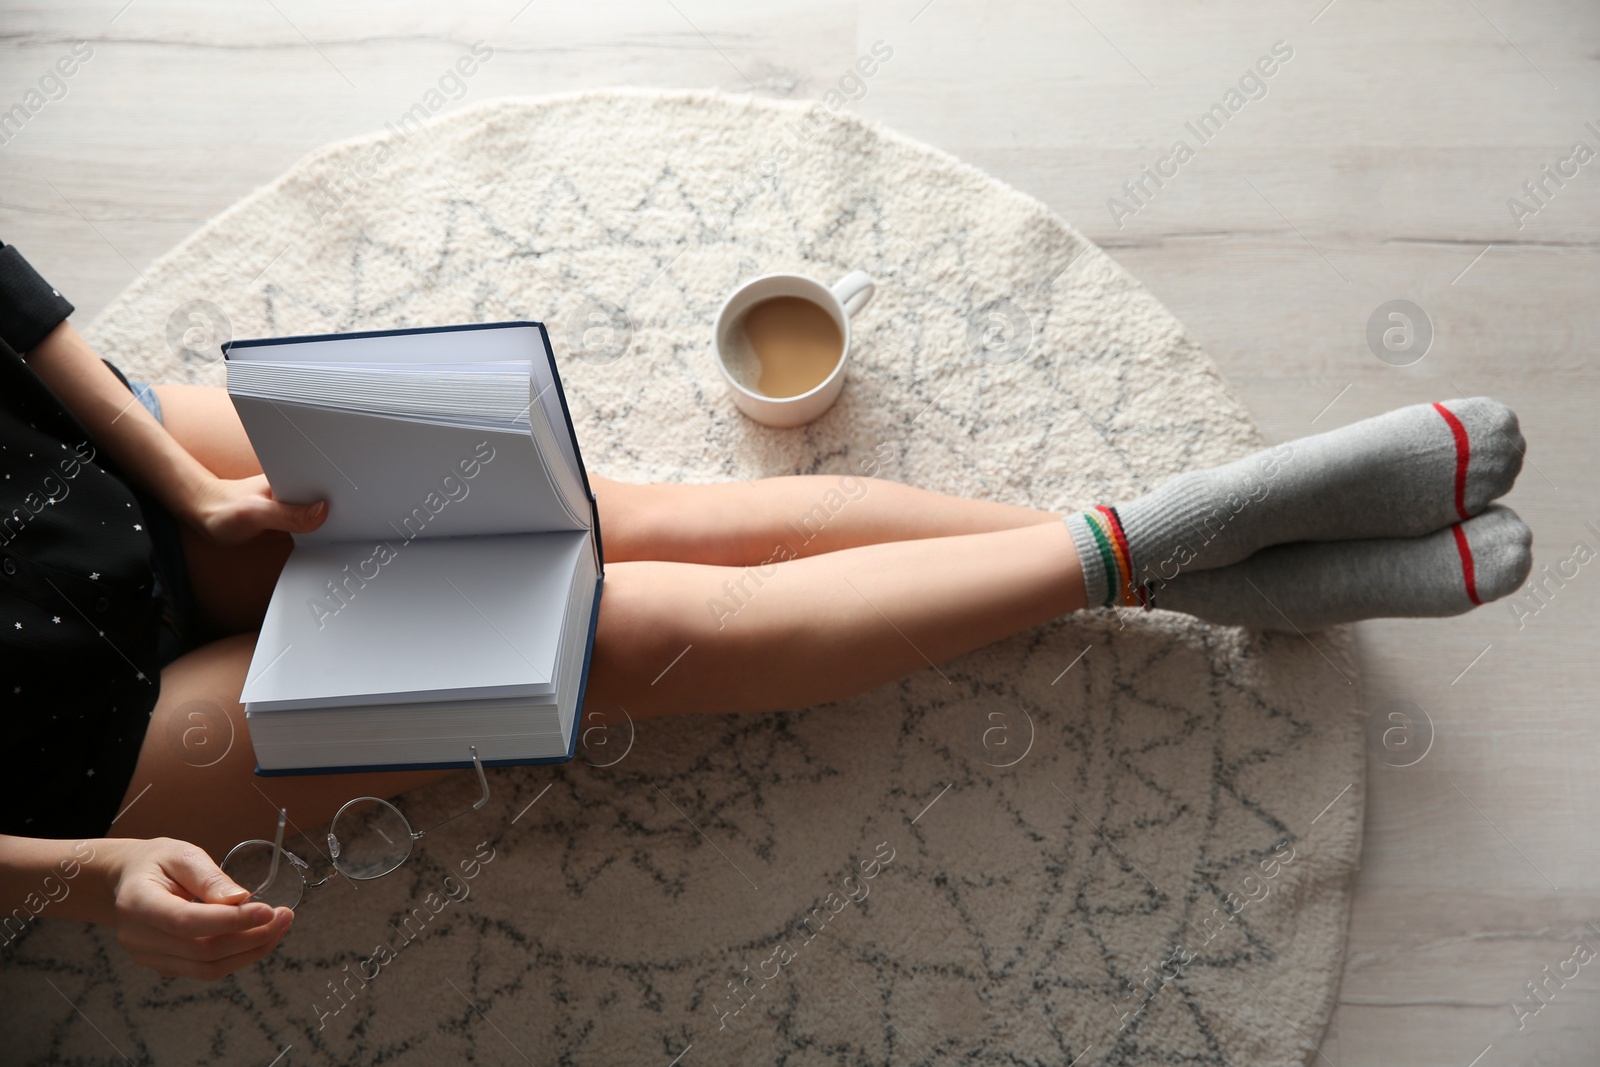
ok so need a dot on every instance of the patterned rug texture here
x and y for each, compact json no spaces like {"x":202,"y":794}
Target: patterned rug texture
{"x":1123,"y":838}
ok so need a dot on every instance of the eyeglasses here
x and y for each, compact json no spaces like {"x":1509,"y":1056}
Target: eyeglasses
{"x":367,"y":839}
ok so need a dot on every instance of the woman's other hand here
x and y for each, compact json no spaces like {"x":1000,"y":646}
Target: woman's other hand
{"x":233,"y":510}
{"x":154,"y":886}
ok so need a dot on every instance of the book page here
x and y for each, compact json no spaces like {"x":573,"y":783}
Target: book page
{"x":389,"y":477}
{"x":394,"y":364}
{"x":425,"y":620}
{"x":463,"y":394}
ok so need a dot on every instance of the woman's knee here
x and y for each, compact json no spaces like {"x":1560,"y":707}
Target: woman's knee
{"x":202,"y":419}
{"x":196,"y":746}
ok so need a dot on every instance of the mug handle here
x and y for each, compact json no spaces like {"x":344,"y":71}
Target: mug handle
{"x":854,"y":291}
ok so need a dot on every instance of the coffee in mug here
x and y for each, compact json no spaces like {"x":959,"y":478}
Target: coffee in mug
{"x":793,"y":343}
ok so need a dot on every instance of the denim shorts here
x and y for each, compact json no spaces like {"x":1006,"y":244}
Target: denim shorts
{"x":179,"y":624}
{"x":147,"y":396}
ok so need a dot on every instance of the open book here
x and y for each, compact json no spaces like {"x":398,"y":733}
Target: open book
{"x":450,"y":598}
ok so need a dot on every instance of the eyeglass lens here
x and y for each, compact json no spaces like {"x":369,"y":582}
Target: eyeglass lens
{"x":369,"y":838}
{"x":249,"y":864}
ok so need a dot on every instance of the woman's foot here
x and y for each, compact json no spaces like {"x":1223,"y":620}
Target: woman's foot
{"x":1310,"y":586}
{"x":1402,"y":474}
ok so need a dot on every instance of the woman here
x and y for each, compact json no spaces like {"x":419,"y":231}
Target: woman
{"x":141,"y":543}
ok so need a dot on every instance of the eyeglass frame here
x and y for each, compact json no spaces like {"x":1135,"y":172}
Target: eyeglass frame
{"x":301,"y":866}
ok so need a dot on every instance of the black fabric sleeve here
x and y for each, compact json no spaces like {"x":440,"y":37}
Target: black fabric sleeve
{"x":29,"y":307}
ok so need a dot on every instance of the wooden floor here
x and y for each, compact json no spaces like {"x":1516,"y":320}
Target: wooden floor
{"x":1377,"y":166}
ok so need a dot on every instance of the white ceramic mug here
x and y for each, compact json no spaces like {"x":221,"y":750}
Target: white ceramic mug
{"x":842,"y":300}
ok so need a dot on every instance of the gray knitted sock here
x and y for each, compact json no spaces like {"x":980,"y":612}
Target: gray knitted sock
{"x":1406,"y":473}
{"x":1309,"y":585}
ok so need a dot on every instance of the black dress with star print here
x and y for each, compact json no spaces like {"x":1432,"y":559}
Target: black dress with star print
{"x":79,"y":666}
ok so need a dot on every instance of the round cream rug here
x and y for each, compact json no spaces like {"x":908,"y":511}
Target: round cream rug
{"x":1120,"y":838}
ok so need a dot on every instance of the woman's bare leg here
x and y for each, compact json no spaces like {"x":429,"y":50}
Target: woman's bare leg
{"x":794,"y":633}
{"x":195,"y":777}
{"x":729,"y":523}
{"x":744,"y":523}
{"x":203,"y":420}
{"x":680,"y":637}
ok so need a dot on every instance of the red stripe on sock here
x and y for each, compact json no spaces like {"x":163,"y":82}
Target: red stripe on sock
{"x":1468,"y":572}
{"x":1127,"y":554}
{"x":1122,"y":538}
{"x":1463,"y":455}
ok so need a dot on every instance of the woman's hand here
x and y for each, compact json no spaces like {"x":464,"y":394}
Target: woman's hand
{"x":233,"y":510}
{"x":154,"y":884}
